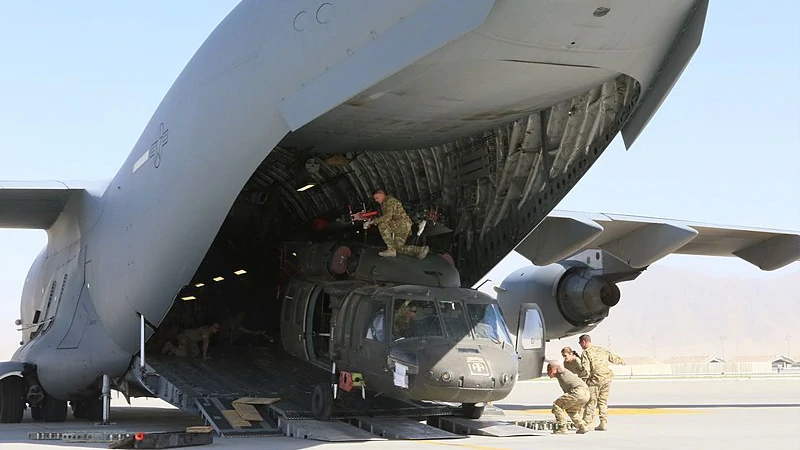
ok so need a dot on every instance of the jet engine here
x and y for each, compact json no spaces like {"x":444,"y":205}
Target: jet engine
{"x":572,"y":297}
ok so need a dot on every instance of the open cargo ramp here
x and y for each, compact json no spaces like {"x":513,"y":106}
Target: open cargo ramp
{"x":250,"y":390}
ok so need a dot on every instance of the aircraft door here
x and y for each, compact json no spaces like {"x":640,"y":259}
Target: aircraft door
{"x":530,"y":341}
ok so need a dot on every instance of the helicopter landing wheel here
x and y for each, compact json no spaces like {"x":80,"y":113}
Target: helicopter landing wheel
{"x":471,"y":410}
{"x":322,"y":401}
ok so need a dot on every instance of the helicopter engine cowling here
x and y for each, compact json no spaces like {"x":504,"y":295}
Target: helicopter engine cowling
{"x":572,"y":297}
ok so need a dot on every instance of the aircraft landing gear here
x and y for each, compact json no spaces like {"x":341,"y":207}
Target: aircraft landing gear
{"x":325,"y":395}
{"x":12,"y":399}
{"x":322,"y":401}
{"x":472,"y":411}
{"x":54,"y":410}
{"x":36,"y":413}
{"x":89,"y":408}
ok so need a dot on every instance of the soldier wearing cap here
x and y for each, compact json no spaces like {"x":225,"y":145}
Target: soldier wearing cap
{"x":395,"y":227}
{"x":576,"y":394}
{"x":597,"y":375}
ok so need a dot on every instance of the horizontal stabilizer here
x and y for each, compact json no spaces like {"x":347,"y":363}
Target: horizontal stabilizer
{"x":33,"y":205}
{"x":640,"y":241}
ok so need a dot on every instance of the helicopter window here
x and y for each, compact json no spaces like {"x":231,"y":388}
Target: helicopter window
{"x":415,"y":318}
{"x":300,"y":305}
{"x":532,"y":331}
{"x":488,"y":323}
{"x":377,"y":320}
{"x":454,"y":318}
{"x":287,"y":309}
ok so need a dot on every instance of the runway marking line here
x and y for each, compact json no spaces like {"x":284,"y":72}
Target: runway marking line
{"x":627,"y":411}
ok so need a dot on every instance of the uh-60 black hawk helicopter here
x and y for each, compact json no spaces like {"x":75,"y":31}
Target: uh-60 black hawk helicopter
{"x":398,"y":326}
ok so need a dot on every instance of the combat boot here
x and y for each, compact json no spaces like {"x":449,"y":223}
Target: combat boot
{"x":602,"y":426}
{"x":583,"y":429}
{"x":560,"y":429}
{"x":388,"y":253}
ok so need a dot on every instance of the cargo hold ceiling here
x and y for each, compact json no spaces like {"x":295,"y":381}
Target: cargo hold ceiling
{"x":492,"y":187}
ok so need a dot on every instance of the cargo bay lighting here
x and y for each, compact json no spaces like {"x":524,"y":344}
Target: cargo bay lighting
{"x":306,"y":187}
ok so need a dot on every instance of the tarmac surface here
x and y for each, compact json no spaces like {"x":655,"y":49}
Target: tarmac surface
{"x":716,"y":413}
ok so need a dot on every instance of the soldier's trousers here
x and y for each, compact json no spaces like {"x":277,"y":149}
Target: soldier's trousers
{"x":598,"y":400}
{"x":185,"y":347}
{"x":171,"y":349}
{"x":394,"y":234}
{"x":571,"y":403}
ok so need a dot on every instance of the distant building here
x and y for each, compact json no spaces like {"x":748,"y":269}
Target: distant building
{"x":762,"y":364}
{"x":641,"y":365}
{"x":695,"y":360}
{"x":697,"y":365}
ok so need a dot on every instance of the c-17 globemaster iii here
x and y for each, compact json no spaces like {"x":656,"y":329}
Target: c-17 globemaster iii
{"x":237,"y":198}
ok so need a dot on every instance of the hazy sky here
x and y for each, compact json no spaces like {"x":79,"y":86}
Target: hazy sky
{"x":80,"y":80}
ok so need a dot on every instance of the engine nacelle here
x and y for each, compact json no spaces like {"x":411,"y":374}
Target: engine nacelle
{"x":573,"y":297}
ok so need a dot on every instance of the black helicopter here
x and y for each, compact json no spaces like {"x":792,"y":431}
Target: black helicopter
{"x":399,"y":326}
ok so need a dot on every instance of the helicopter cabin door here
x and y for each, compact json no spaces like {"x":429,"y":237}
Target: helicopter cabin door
{"x":294,"y":316}
{"x":370,"y":335}
{"x":530,"y":341}
{"x":318,"y":327}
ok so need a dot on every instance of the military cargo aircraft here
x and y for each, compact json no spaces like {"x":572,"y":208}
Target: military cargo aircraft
{"x":234,"y":202}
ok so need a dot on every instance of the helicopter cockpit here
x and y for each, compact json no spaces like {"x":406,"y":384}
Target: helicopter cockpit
{"x":422,"y":319}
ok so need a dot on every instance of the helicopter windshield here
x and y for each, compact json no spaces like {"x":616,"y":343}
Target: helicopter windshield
{"x":487,"y":323}
{"x":415,"y":319}
{"x":455,"y":319}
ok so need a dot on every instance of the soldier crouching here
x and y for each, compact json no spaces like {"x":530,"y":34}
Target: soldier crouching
{"x":576,"y":394}
{"x":395,"y":227}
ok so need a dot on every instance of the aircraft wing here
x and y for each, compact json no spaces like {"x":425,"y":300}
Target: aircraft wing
{"x":34,"y":205}
{"x":640,"y":241}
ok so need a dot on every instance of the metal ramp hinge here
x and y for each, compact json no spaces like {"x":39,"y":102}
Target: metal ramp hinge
{"x":80,"y":436}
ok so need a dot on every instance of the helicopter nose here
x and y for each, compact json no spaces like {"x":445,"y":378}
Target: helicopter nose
{"x":473,"y":372}
{"x":465,"y":373}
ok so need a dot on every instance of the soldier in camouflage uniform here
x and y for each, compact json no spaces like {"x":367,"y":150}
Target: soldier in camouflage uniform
{"x":188,"y":341}
{"x":404,"y":312}
{"x":576,"y":394}
{"x":572,"y":361}
{"x":595,"y":371}
{"x":394,"y":226}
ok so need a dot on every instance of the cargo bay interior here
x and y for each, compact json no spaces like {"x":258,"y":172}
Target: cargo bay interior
{"x":478,"y":196}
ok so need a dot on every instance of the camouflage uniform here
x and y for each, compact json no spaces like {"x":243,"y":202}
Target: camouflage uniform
{"x":595,"y":371}
{"x":573,"y":366}
{"x":401,"y":327}
{"x":395,"y":226}
{"x":188,"y":342}
{"x":576,"y":394}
